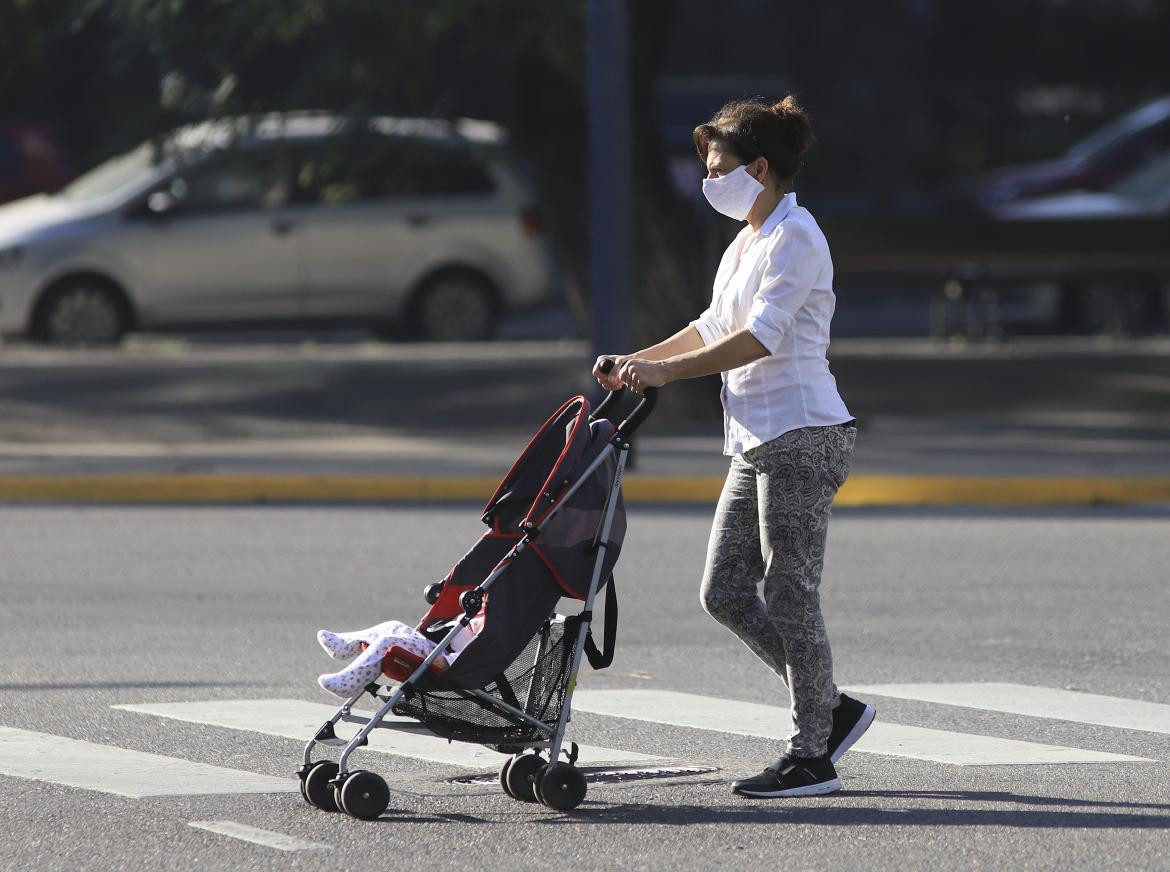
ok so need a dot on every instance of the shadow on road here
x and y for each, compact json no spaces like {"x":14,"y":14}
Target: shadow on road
{"x":1065,"y":813}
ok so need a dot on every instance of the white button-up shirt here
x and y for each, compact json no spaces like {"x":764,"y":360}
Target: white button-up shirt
{"x":778,"y":283}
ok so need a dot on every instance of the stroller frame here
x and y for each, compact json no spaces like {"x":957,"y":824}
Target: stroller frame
{"x":526,"y":777}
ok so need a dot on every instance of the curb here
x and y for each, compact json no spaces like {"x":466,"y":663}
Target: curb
{"x":859,"y":491}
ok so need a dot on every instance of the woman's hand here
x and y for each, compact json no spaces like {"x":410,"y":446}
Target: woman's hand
{"x":640,"y":374}
{"x":611,"y":381}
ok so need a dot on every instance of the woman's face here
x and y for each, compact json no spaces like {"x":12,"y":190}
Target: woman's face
{"x":720,"y":162}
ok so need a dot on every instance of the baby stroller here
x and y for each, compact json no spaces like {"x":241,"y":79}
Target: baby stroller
{"x":556,"y":524}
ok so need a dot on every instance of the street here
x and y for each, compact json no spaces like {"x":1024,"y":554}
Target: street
{"x":186,"y":636}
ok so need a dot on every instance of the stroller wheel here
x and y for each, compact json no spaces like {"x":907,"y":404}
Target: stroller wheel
{"x":521,"y":776}
{"x":315,"y":787}
{"x":364,"y":795}
{"x":562,"y":786}
{"x":504,"y":777}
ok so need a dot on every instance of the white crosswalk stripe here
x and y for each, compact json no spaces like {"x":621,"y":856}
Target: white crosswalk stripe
{"x":754,"y":719}
{"x":1039,"y":702}
{"x":43,"y":757}
{"x":296,"y":719}
{"x":257,"y":836}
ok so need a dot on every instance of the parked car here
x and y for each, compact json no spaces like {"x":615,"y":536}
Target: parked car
{"x":1141,"y":194}
{"x":1122,"y":146}
{"x":30,"y":162}
{"x":421,"y":226}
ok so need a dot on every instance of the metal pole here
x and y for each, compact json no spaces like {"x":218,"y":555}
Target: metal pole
{"x":609,"y":176}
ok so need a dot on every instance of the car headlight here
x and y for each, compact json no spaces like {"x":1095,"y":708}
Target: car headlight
{"x":10,"y":256}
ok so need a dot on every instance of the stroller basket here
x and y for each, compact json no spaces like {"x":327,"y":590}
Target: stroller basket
{"x":534,"y":683}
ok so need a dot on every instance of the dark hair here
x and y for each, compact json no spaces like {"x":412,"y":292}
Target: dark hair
{"x":751,"y":128}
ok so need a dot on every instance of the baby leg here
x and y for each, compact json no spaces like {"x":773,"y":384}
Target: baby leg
{"x":342,"y":646}
{"x":368,"y":666}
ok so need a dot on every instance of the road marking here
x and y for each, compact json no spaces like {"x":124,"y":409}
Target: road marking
{"x":1040,"y":702}
{"x":267,"y":838}
{"x":74,"y":763}
{"x":772,"y":722}
{"x":297,"y":719}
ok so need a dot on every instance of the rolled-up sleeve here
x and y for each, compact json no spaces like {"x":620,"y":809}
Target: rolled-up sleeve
{"x":789,"y":273}
{"x":708,"y":326}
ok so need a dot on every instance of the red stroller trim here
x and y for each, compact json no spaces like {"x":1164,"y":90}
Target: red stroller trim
{"x":582,"y":419}
{"x":398,"y":664}
{"x":546,"y":488}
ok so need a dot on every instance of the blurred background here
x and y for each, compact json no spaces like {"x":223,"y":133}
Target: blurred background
{"x":354,"y":186}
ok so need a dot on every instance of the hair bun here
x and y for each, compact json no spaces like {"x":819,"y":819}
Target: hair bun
{"x":787,"y":106}
{"x":792,"y":116}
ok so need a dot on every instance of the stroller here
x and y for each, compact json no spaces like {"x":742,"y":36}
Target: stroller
{"x":556,"y":524}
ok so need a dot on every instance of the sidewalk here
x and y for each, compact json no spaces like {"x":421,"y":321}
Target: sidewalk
{"x":892,"y":467}
{"x":1043,"y":424}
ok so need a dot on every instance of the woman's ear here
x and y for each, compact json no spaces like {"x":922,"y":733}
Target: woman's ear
{"x":758,"y":169}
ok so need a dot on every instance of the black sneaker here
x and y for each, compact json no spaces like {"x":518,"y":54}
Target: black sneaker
{"x":850,"y":721}
{"x":791,"y":776}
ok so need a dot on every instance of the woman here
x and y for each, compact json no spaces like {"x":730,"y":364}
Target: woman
{"x":787,"y":430}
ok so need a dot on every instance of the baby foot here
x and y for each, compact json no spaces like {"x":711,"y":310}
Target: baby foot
{"x":337,"y":646}
{"x":350,"y":680}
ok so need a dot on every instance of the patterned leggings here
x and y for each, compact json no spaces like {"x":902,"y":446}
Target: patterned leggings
{"x":770,"y":526}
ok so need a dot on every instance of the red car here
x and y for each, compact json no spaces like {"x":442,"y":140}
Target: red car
{"x":29,"y":162}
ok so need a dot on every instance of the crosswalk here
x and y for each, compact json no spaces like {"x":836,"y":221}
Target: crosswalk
{"x":893,"y":740}
{"x":1037,"y":702}
{"x":109,"y":769}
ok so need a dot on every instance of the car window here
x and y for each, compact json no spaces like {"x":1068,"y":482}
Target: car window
{"x":384,"y":167}
{"x":438,"y":168}
{"x":1150,"y":184}
{"x":231,"y":181}
{"x":341,"y":171}
{"x":1135,"y":151}
{"x":1116,"y":138}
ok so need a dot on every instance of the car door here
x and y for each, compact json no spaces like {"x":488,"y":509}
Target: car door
{"x":354,"y":240}
{"x":216,"y":243}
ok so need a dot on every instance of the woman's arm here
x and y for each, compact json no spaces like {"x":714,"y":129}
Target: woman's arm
{"x":736,"y":350}
{"x":687,"y":339}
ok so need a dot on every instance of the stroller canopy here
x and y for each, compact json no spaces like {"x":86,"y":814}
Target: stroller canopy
{"x":538,"y":482}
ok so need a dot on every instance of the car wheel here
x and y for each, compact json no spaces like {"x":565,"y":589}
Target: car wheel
{"x":83,"y":311}
{"x":456,"y":307}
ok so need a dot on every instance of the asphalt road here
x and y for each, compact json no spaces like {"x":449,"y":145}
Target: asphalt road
{"x":108,"y":606}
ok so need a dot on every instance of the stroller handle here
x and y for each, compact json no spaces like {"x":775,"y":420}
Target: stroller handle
{"x":641,"y":411}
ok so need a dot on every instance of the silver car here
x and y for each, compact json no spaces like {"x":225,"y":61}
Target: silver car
{"x":410,"y":225}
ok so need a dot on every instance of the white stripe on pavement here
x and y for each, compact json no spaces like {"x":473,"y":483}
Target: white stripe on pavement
{"x":267,"y":838}
{"x":753,"y":719}
{"x":1040,"y":702}
{"x":74,"y":763}
{"x":297,"y":719}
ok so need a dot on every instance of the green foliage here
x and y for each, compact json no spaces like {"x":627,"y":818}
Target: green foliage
{"x":108,"y":73}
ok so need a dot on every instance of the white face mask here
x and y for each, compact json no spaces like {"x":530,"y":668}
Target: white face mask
{"x":734,"y":194}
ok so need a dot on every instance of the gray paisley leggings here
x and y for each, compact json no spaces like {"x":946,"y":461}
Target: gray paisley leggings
{"x":770,"y":526}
